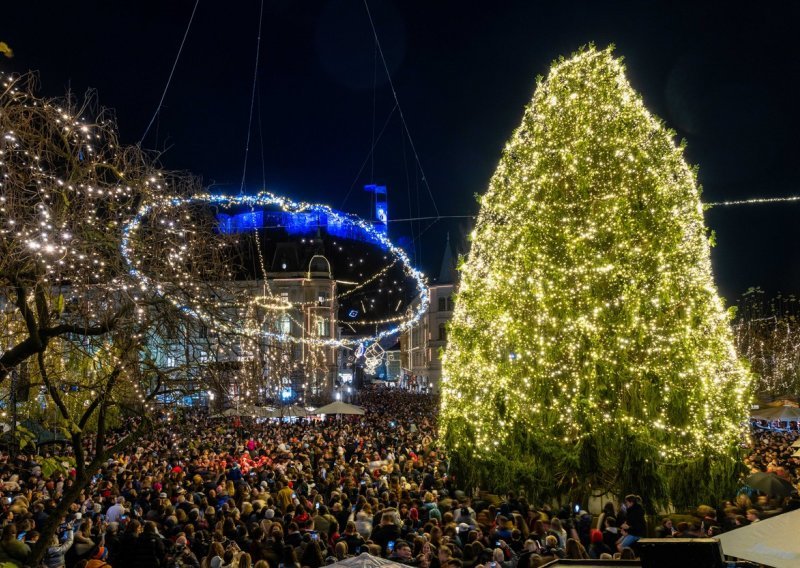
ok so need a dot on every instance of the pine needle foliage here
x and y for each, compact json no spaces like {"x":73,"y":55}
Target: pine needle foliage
{"x":589,"y":350}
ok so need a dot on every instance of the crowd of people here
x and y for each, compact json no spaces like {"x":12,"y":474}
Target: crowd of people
{"x":218,"y":493}
{"x":772,"y":451}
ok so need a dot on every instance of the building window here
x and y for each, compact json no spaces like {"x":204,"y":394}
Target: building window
{"x":446,"y":304}
{"x":284,"y":324}
{"x":284,"y":297}
{"x":203,"y":332}
{"x":322,"y":327}
{"x":442,"y":332}
{"x":322,"y":296}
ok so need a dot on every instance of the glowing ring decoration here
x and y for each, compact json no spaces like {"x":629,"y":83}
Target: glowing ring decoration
{"x":272,"y":303}
{"x":267,"y":199}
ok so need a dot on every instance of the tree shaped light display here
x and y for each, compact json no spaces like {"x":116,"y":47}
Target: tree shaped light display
{"x":589,"y":350}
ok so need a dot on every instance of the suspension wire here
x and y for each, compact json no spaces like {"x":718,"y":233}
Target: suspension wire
{"x":423,"y":231}
{"x":753,"y":201}
{"x":252,"y":97}
{"x":419,"y":214}
{"x":412,"y":219}
{"x":369,"y":154}
{"x":374,"y":92}
{"x":171,"y":73}
{"x":399,"y":108}
{"x":261,"y":140}
{"x":408,"y":193}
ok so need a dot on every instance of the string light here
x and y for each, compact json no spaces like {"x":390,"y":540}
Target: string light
{"x":588,"y":339}
{"x":754,"y":201}
{"x":193,"y":308}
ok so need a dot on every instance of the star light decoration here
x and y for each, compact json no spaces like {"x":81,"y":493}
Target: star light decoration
{"x":588,"y":334}
{"x":164,"y":213}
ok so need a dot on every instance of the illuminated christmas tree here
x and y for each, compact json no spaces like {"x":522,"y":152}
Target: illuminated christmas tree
{"x":589,"y":350}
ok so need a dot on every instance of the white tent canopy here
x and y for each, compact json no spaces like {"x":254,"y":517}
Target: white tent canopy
{"x":340,"y":407}
{"x":365,"y":560}
{"x":782,"y":413}
{"x":246,"y":410}
{"x":294,"y":410}
{"x":241,"y":411}
{"x":772,"y":541}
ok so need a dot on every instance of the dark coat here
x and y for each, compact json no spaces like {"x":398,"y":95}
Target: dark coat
{"x":635,"y":519}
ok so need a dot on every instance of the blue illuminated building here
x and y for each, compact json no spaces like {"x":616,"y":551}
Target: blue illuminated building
{"x":308,"y":222}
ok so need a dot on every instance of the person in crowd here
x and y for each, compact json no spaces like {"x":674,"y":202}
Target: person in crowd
{"x":386,"y":532}
{"x":557,"y":530}
{"x":575,"y":550}
{"x":13,"y":552}
{"x":552,"y":547}
{"x":597,"y":545}
{"x":665,"y":529}
{"x":402,"y":553}
{"x":54,"y":557}
{"x":634,"y":516}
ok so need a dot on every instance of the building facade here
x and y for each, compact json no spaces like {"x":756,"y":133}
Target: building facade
{"x":421,"y":346}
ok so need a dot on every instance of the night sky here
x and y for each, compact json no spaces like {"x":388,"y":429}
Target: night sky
{"x":727,"y":80}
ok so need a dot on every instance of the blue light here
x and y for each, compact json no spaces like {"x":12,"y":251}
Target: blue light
{"x":305,"y":223}
{"x":352,"y":314}
{"x":381,"y":206}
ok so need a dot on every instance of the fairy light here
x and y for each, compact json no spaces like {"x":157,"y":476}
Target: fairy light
{"x":196,"y":309}
{"x":587,"y":317}
{"x":755,"y":201}
{"x":67,"y":187}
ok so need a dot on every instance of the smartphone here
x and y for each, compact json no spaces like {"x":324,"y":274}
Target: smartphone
{"x":493,"y":564}
{"x":390,"y":546}
{"x":8,"y":500}
{"x":316,"y":505}
{"x":314,"y":535}
{"x":294,"y":495}
{"x":577,"y":508}
{"x":497,"y":543}
{"x":363,"y":482}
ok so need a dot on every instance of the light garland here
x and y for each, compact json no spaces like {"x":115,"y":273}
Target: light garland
{"x":755,"y":201}
{"x":196,"y":310}
{"x":272,"y":303}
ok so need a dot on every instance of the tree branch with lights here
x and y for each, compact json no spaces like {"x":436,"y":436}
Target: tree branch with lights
{"x":85,"y":331}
